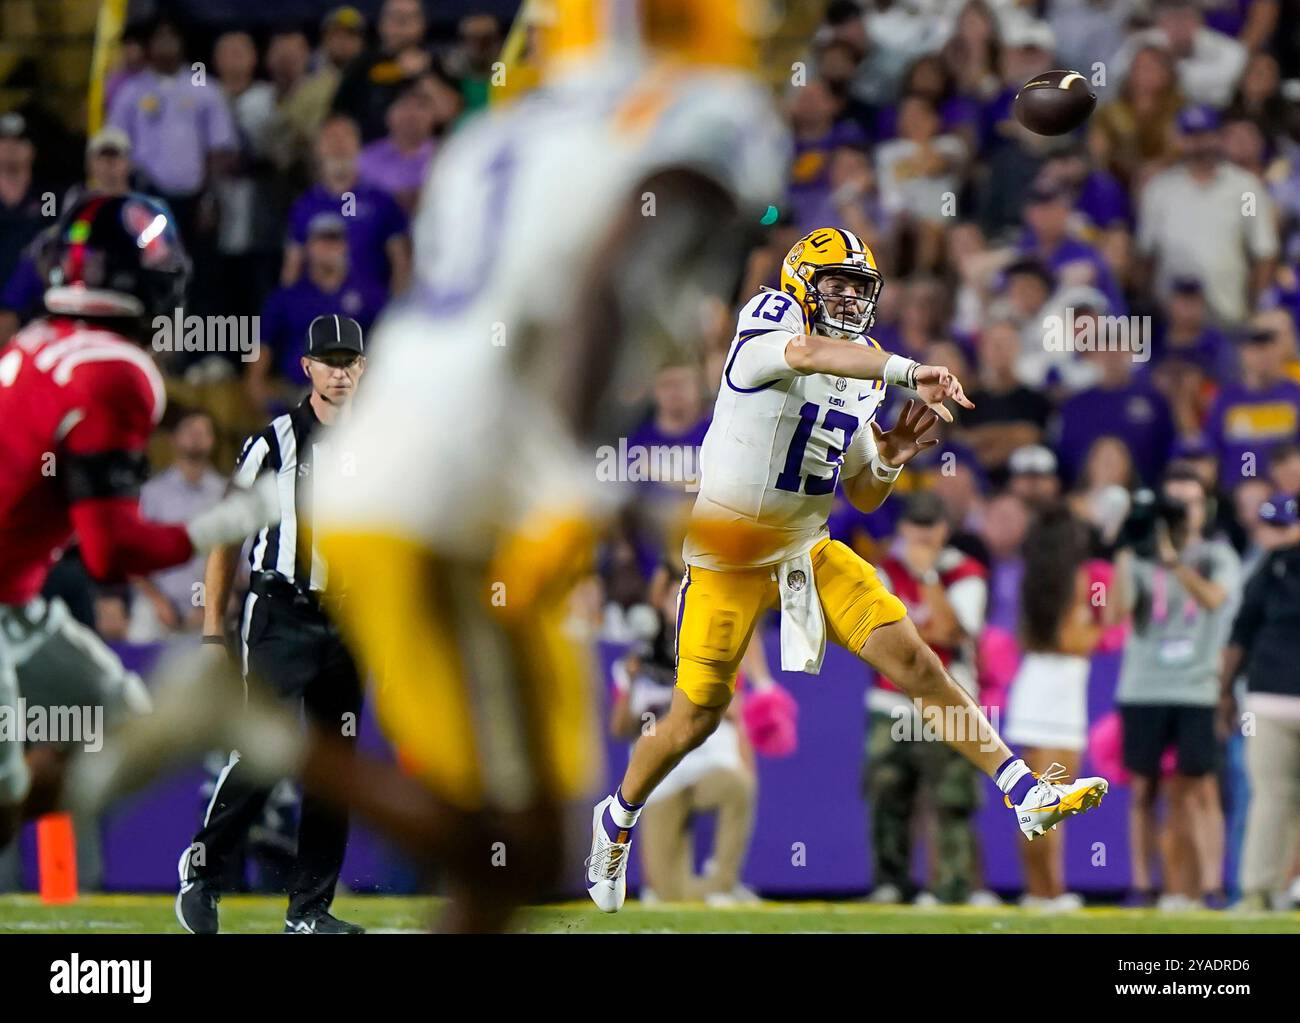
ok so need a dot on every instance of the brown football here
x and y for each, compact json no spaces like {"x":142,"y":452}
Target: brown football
{"x":1055,"y":102}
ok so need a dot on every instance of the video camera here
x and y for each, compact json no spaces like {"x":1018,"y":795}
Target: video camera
{"x":1138,"y":531}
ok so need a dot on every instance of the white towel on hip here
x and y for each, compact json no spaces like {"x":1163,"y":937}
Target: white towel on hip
{"x":803,"y":629}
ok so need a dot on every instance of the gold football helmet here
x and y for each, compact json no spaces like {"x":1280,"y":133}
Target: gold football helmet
{"x":819,"y":254}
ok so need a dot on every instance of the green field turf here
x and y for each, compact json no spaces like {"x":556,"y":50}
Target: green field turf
{"x":147,"y":914}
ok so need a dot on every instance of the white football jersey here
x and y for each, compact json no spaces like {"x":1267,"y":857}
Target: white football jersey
{"x":779,"y":440}
{"x":454,"y":433}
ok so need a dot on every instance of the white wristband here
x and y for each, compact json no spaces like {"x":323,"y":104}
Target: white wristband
{"x":883,"y":471}
{"x":900,"y":370}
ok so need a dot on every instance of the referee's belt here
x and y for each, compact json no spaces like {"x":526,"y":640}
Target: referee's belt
{"x":276,"y":587}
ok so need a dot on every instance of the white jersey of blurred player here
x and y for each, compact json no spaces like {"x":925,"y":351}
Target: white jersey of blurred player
{"x":562,"y":251}
{"x":560,"y":248}
{"x":458,"y":433}
{"x":778,"y":441}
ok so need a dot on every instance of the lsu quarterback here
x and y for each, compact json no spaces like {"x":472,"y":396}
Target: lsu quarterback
{"x":794,"y":419}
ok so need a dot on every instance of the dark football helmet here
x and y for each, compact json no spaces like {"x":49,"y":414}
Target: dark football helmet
{"x":114,"y":256}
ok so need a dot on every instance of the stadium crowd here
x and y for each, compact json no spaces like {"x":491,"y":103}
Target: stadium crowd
{"x":1122,"y":304}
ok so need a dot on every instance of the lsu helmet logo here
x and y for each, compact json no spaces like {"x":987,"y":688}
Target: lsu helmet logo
{"x":825,"y":252}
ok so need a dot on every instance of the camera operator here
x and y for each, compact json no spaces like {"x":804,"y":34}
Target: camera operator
{"x":1266,"y":643}
{"x":1179,"y":590}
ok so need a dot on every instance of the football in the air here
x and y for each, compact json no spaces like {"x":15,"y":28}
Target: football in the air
{"x":1055,"y":102}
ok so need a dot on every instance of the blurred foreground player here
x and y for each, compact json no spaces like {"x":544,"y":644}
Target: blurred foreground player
{"x":499,"y":376}
{"x":79,"y":397}
{"x":565,"y":249}
{"x":795,"y":417}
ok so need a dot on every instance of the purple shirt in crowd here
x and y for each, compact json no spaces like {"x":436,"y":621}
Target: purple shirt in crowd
{"x":289,"y":311}
{"x":373,"y":220}
{"x":1227,"y":16}
{"x":810,"y":169}
{"x":955,"y":112}
{"x":845,"y":522}
{"x":382,"y":165}
{"x":648,"y":434}
{"x":173,"y":125}
{"x":1288,"y":298}
{"x":1104,"y":202}
{"x":1005,"y":575}
{"x":1243,"y":422}
{"x":1073,"y":250}
{"x":1135,"y":414}
{"x":993,"y":113}
{"x":1211,"y":352}
{"x":24,"y":291}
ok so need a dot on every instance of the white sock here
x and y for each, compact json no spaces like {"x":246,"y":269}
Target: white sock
{"x":622,"y":814}
{"x":1010,"y":774}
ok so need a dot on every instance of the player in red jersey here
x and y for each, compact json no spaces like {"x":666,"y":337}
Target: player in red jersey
{"x":79,"y":397}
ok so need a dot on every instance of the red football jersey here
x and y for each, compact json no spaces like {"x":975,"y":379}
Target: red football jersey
{"x":953,"y":567}
{"x":67,"y":390}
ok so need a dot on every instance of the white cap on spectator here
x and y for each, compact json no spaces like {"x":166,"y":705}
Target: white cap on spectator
{"x":1085,"y":296}
{"x":13,"y":125}
{"x":108,"y":138}
{"x":1032,"y":460}
{"x":1025,"y":33}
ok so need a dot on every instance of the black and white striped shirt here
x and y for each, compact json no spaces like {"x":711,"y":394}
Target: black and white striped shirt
{"x":292,"y":446}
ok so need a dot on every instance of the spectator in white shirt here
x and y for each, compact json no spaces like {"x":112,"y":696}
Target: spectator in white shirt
{"x":1209,"y":219}
{"x":247,"y":225}
{"x":1089,"y":30}
{"x":920,"y":175}
{"x":1209,"y":62}
{"x":171,"y":600}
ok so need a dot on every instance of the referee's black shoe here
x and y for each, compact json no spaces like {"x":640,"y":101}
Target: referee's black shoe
{"x":321,"y":923}
{"x":196,"y":902}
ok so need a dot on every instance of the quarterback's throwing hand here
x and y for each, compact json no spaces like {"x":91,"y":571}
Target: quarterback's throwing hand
{"x":935,"y":384}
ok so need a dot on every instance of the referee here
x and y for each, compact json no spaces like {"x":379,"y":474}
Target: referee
{"x":287,"y":643}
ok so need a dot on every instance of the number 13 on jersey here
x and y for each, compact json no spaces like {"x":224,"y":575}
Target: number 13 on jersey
{"x":792,"y":477}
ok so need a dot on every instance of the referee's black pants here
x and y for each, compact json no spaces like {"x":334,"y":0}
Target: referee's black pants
{"x":295,"y":651}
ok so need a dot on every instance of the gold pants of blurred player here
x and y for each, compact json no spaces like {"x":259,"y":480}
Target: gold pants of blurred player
{"x":475,"y":681}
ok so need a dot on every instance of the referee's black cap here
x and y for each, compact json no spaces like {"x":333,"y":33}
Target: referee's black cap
{"x":333,"y":334}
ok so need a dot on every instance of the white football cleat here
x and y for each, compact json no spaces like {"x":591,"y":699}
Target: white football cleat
{"x":1053,"y":799}
{"x":886,"y":895}
{"x":607,"y":864}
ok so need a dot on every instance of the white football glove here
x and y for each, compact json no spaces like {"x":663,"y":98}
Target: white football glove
{"x":239,"y":514}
